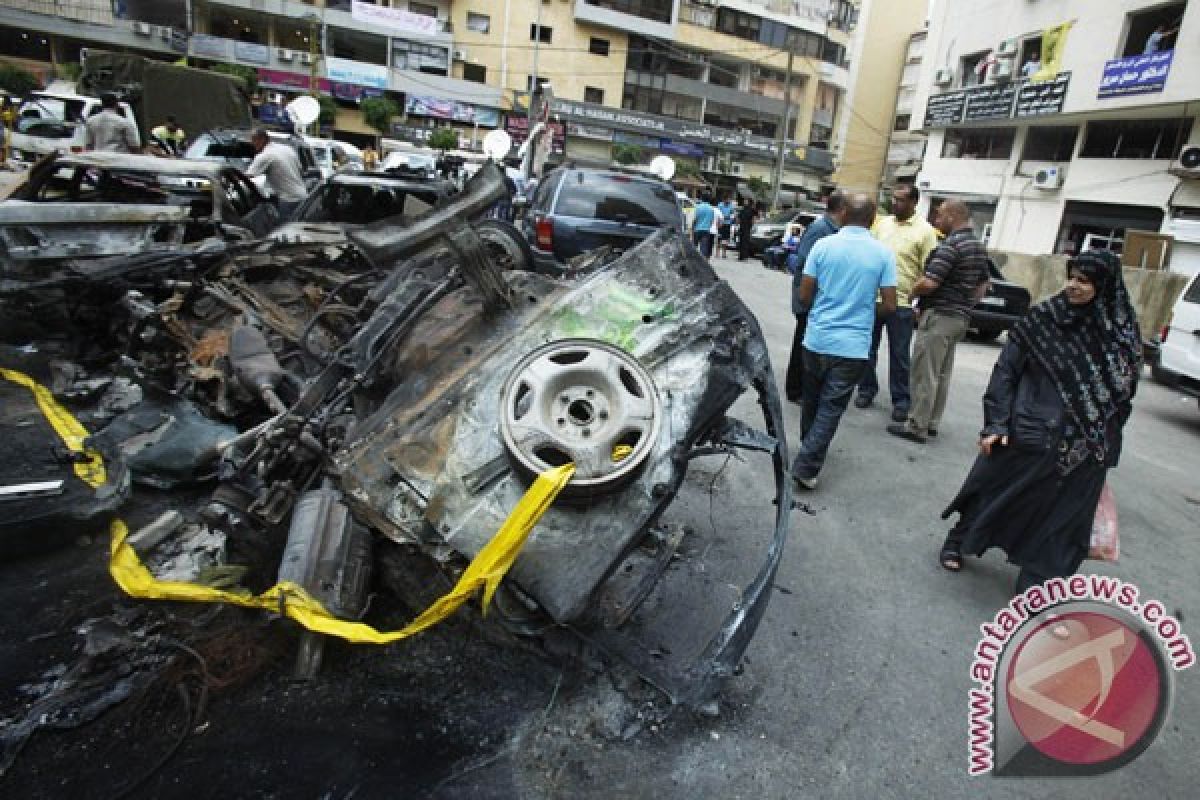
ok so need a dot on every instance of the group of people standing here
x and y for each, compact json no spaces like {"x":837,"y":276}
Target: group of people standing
{"x":716,"y":227}
{"x":1058,"y":398}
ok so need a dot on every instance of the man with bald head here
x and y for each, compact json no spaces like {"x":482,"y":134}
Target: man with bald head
{"x":842,"y":276}
{"x":955,"y":278}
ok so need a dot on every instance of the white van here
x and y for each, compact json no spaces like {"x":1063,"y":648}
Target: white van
{"x":1179,"y":357}
{"x":53,"y":122}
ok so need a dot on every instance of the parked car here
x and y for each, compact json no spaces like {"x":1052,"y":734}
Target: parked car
{"x":578,"y":209}
{"x":233,"y":146}
{"x":53,"y":122}
{"x":998,"y":310}
{"x":410,"y":162}
{"x":769,"y":232}
{"x":1179,"y":352}
{"x":334,"y":156}
{"x":99,"y":188}
{"x":351,"y":199}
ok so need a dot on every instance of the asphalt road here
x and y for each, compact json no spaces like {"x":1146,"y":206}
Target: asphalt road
{"x":856,"y":685}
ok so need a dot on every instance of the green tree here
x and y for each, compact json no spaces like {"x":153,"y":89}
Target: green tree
{"x":627,"y":154}
{"x":758,"y":187}
{"x":687,"y":169}
{"x":328,"y":111}
{"x":248,"y":75}
{"x":68,"y":72}
{"x":15,"y":80}
{"x":378,"y":112}
{"x":444,"y":139}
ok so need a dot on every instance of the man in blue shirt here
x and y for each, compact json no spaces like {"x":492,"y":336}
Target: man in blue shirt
{"x":841,"y":278}
{"x":702,"y":222}
{"x":835,"y":213}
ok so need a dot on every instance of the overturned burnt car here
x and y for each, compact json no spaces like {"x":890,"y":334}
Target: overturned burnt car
{"x":410,"y":382}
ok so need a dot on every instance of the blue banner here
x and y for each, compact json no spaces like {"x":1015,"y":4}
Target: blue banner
{"x":681,"y":148}
{"x":1135,"y":75}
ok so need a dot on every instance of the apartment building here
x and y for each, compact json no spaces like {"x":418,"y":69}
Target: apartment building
{"x":702,"y":80}
{"x":1054,"y":157}
{"x":906,"y":147}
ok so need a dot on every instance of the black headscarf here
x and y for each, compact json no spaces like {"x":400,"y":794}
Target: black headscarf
{"x":1093,"y":353}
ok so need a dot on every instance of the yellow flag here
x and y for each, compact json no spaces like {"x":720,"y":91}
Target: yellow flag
{"x":1054,"y":41}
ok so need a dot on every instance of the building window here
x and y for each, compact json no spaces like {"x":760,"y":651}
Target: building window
{"x":1136,"y":138}
{"x":1050,"y":143}
{"x":529,"y":82}
{"x":992,"y":143}
{"x":424,"y":9}
{"x":421,"y":57}
{"x":902,"y":122}
{"x":1153,"y":31}
{"x":973,"y":69}
{"x":478,"y":23}
{"x":542,"y":34}
{"x":598,"y":47}
{"x":475,"y":73}
{"x":593,"y":95}
{"x":655,"y":10}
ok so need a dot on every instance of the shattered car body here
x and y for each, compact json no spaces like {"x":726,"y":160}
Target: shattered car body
{"x":411,"y":376}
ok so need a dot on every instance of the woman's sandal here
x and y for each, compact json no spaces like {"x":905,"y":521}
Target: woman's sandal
{"x":951,"y":559}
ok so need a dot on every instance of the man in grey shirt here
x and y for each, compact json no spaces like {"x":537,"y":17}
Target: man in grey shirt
{"x":108,"y":131}
{"x":281,"y":167}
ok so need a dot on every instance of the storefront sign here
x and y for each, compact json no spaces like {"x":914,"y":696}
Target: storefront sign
{"x":277,"y":79}
{"x":1036,"y":99}
{"x":344,"y":70}
{"x":394,"y":18}
{"x":990,"y":102}
{"x":1135,"y":75}
{"x":589,"y":132}
{"x":680,"y":148}
{"x":518,"y":128}
{"x":254,"y":53}
{"x":205,"y":45}
{"x":452,"y":109}
{"x":945,"y":109}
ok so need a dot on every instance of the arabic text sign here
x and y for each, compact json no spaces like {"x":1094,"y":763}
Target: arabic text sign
{"x":394,"y":18}
{"x":1135,"y":75}
{"x":990,"y":102}
{"x":1035,"y":99}
{"x":205,"y":45}
{"x":944,"y":109}
{"x":452,"y":109}
{"x":254,"y":53}
{"x":344,"y":70}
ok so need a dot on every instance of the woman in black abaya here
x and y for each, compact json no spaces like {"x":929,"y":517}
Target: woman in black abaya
{"x":1059,"y":396}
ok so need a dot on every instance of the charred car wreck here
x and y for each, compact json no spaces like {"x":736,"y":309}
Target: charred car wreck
{"x":409,"y":382}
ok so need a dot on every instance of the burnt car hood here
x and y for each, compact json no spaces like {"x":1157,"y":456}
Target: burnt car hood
{"x":32,"y":232}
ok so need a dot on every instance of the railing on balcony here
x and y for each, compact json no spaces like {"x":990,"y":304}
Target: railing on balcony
{"x":95,"y":12}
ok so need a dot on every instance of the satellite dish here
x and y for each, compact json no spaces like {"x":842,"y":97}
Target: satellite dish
{"x":497,"y":144}
{"x":663,"y":166}
{"x":304,"y":110}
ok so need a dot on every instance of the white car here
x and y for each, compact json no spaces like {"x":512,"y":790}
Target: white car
{"x":1179,"y":356}
{"x":410,"y":161}
{"x":333,"y":156}
{"x":53,"y":122}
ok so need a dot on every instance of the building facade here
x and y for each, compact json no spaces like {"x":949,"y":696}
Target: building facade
{"x":906,"y":147}
{"x":1054,"y":156}
{"x":702,"y":80}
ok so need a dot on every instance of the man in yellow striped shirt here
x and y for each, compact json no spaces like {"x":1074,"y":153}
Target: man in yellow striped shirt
{"x":911,"y":239}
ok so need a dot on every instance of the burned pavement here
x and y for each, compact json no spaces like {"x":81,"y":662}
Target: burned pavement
{"x":333,"y":432}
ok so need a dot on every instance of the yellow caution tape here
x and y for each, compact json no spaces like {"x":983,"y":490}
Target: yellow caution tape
{"x":66,"y":426}
{"x":485,"y":571}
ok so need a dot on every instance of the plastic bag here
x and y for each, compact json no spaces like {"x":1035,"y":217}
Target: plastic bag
{"x":1105,"y":545}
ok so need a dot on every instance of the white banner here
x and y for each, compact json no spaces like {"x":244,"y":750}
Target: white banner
{"x":343,"y":70}
{"x":394,"y":18}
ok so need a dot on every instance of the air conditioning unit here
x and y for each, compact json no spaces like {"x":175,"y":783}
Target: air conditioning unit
{"x":736,"y":169}
{"x":141,"y":28}
{"x":461,"y":55}
{"x":944,"y":76}
{"x":283,"y":54}
{"x":1048,"y":178}
{"x":306,"y":58}
{"x":1008,"y":47}
{"x":1001,"y":71}
{"x":1188,"y":164}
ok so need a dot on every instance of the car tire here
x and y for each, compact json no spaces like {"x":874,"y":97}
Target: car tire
{"x":505,"y":244}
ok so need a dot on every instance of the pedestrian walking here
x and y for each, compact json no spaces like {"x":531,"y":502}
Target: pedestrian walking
{"x":727,"y":210}
{"x":1049,"y":438}
{"x":829,"y":224}
{"x":108,"y":131}
{"x":745,"y":224}
{"x":281,"y":166}
{"x":842,"y":276}
{"x":702,"y":223}
{"x":912,"y":240}
{"x":955,"y":278}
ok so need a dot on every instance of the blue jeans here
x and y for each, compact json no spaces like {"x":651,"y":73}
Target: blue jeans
{"x":829,"y":383}
{"x":899,"y":333}
{"x":704,"y":243}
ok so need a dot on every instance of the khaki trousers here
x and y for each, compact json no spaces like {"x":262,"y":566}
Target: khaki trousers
{"x":938,"y":333}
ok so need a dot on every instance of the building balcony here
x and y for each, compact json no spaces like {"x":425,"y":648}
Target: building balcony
{"x":425,"y":85}
{"x":835,"y":75}
{"x":88,"y":22}
{"x":654,"y":18}
{"x":734,"y":98}
{"x":339,"y":15}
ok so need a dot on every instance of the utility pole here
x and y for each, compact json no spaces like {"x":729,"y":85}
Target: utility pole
{"x":783,"y":128}
{"x":537,"y":42}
